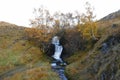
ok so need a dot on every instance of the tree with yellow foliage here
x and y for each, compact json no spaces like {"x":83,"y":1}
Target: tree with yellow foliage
{"x":41,"y":32}
{"x":88,"y":26}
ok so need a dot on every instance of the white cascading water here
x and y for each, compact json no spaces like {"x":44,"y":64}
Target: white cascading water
{"x":59,"y":68}
{"x":58,"y":48}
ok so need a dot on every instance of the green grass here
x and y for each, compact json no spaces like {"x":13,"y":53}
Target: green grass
{"x":16,"y":52}
{"x":8,"y":57}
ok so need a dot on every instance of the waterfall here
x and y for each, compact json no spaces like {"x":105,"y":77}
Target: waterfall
{"x":58,"y":65}
{"x":58,"y":48}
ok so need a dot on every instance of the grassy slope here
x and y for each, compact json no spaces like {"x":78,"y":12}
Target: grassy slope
{"x":93,"y":64}
{"x":20,"y":60}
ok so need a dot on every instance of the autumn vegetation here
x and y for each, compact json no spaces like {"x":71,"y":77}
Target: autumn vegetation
{"x":24,"y":56}
{"x":82,"y":37}
{"x":75,"y":28}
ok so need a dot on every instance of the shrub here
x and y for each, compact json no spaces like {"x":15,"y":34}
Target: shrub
{"x":39,"y":37}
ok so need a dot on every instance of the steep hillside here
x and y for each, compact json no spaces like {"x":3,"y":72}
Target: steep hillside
{"x":111,"y":20}
{"x":19,"y":59}
{"x":102,"y":62}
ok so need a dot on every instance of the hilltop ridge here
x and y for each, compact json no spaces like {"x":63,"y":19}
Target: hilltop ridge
{"x":110,"y":16}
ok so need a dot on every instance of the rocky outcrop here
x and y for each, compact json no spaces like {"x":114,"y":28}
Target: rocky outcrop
{"x":104,"y":63}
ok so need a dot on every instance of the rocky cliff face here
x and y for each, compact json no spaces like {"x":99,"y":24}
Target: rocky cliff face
{"x":104,"y":60}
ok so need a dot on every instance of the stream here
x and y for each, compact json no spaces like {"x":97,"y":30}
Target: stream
{"x":59,"y":69}
{"x":58,"y":65}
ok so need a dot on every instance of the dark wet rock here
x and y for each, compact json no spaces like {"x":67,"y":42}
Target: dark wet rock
{"x":103,"y":76}
{"x":114,"y":25}
{"x":50,"y":50}
{"x":104,"y":48}
{"x":110,"y":42}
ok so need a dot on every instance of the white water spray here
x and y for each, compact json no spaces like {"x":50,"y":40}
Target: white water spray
{"x":58,"y":48}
